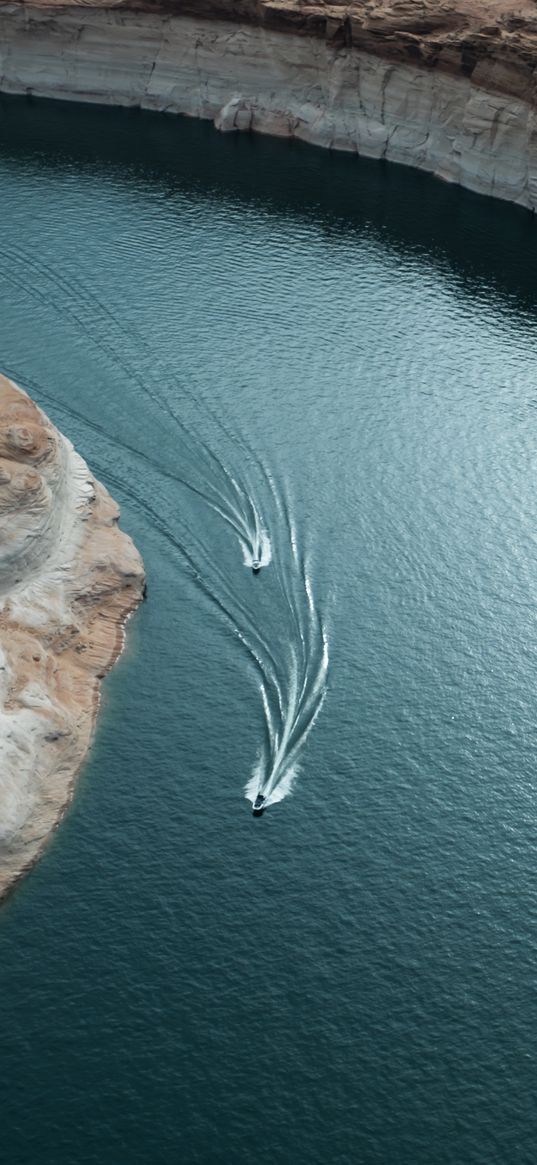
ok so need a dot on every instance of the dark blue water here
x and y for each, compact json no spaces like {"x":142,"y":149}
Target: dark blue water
{"x":352,"y":978}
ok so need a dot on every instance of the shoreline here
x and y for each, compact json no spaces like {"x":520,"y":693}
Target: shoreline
{"x":71,"y":580}
{"x":7,"y":888}
{"x":247,"y":76}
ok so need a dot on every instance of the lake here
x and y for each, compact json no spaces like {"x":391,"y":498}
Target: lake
{"x":251,"y":338}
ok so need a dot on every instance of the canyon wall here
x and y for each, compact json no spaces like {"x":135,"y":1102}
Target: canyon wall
{"x":68,"y":580}
{"x":244,"y":75}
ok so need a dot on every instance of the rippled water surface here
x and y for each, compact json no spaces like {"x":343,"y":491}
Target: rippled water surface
{"x":226,"y":326}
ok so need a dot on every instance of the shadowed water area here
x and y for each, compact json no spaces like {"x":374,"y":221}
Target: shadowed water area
{"x":347,"y":350}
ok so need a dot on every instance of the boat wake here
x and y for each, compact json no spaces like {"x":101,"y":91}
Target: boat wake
{"x":258,"y":549}
{"x":277,"y":768}
{"x":223,"y":491}
{"x":292,"y":668}
{"x":294,"y":700}
{"x":292,"y":677}
{"x":254,"y":788}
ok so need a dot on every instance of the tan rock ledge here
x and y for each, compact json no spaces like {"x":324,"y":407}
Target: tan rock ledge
{"x":68,"y":580}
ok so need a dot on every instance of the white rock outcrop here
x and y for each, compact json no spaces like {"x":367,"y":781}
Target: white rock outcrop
{"x":68,"y":580}
{"x":246,"y":77}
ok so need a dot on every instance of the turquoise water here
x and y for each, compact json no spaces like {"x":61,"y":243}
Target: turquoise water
{"x":351,"y":349}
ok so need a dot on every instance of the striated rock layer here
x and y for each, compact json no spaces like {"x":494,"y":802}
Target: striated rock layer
{"x":68,"y":580}
{"x":449,"y":90}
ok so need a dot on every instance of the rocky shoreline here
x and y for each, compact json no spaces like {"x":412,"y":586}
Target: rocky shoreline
{"x":450,"y":91}
{"x":69,"y":579}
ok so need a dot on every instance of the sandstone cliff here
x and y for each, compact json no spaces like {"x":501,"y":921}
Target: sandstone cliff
{"x":494,"y":42}
{"x":447,"y":89}
{"x":68,"y":580}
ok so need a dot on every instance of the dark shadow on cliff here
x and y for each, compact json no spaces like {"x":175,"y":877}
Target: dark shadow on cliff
{"x":486,"y":244}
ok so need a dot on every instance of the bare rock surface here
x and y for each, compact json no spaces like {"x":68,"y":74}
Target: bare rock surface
{"x":494,"y":42}
{"x":68,"y":580}
{"x":446,"y":90}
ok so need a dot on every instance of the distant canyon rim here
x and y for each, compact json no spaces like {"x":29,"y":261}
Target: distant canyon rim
{"x":450,"y":90}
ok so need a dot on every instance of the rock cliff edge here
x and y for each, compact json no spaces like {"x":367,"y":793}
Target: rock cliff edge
{"x":451,"y":90}
{"x":68,"y":580}
{"x":493,"y":42}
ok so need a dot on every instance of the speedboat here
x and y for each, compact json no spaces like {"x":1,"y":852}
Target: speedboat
{"x":259,"y":805}
{"x":256,"y":565}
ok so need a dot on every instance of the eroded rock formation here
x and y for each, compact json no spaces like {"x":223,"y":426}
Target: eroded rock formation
{"x":68,"y":580}
{"x":448,"y":89}
{"x":493,"y":42}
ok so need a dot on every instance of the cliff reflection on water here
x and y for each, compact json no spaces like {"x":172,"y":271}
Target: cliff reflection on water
{"x":358,"y":344}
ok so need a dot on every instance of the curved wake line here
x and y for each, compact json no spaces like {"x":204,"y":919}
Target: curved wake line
{"x":275,"y":775}
{"x":260,"y":552}
{"x":269,"y":667}
{"x":257,"y":651}
{"x":238,"y":510}
{"x":291,"y":702}
{"x":305,"y":686}
{"x":255,"y":786}
{"x":292,"y":689}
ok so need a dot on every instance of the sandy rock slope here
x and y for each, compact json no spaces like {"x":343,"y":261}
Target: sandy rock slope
{"x":68,"y":580}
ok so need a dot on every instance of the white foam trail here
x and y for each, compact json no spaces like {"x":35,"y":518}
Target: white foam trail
{"x":254,"y":785}
{"x":304,"y":680}
{"x":233,"y":509}
{"x":291,"y":701}
{"x":284,"y":787}
{"x":257,"y":549}
{"x":292,"y":695}
{"x":304,"y":691}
